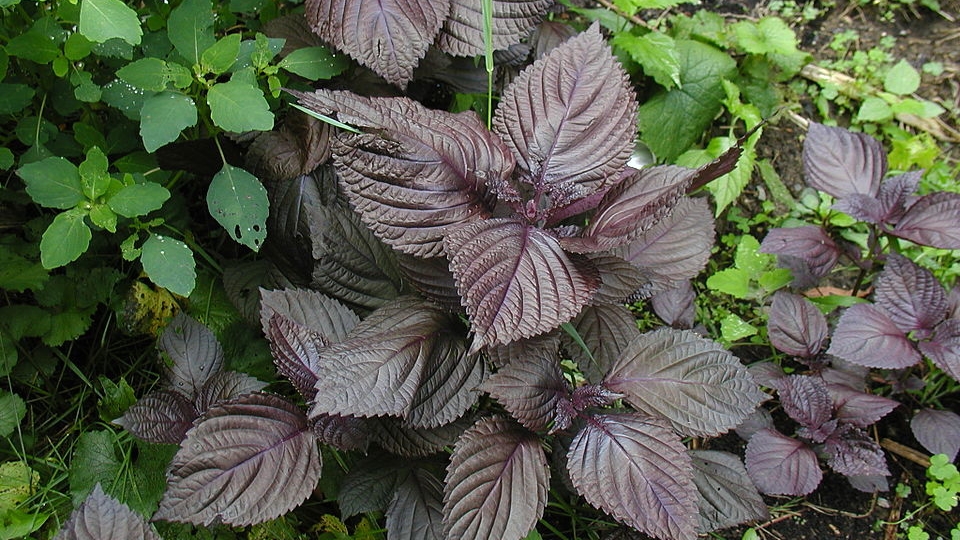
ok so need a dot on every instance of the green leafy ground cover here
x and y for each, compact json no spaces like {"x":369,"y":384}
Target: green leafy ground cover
{"x":124,"y":202}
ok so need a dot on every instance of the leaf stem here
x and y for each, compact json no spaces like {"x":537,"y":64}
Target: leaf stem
{"x":487,"y":6}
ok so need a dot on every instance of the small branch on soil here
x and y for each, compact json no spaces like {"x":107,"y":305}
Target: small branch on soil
{"x":906,"y":452}
{"x":893,"y":518}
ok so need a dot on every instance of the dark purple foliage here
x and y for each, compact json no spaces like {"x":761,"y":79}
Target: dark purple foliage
{"x":937,"y":431}
{"x":810,"y":245}
{"x":779,"y":465}
{"x":101,"y":516}
{"x":727,"y":495}
{"x":796,"y":326}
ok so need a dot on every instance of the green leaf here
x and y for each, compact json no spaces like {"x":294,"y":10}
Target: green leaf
{"x":189,"y":28}
{"x":8,"y":353}
{"x":17,"y":482}
{"x":15,"y":97}
{"x":772,"y":280}
{"x":102,"y":216}
{"x":902,"y":79}
{"x":138,"y":199}
{"x":917,"y":107}
{"x":77,"y":47}
{"x":6,"y":156}
{"x":53,"y":182}
{"x":732,"y":281}
{"x":221,"y":55}
{"x":314,"y":63}
{"x":163,"y":117}
{"x":33,"y":45}
{"x":238,"y":107}
{"x":116,"y":399}
{"x":65,"y":239}
{"x":769,"y":35}
{"x":93,"y":174}
{"x":67,"y":326}
{"x":20,"y":524}
{"x":24,"y":320}
{"x":146,"y":73}
{"x":18,"y":273}
{"x":657,"y":54}
{"x":169,"y":263}
{"x":672,"y":120}
{"x":101,"y":20}
{"x":749,"y":259}
{"x":733,"y":328}
{"x":874,"y":109}
{"x":238,"y":201}
{"x":12,"y":411}
{"x":125,"y":97}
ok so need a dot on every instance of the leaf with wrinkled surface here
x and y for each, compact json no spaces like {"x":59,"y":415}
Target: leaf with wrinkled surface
{"x":934,"y":220}
{"x":529,"y":388}
{"x":462,"y":31}
{"x":779,"y":465}
{"x":841,"y":162}
{"x":636,"y":470}
{"x":606,"y":330}
{"x":675,"y":306}
{"x":515,"y":280}
{"x":550,"y":118}
{"x":370,"y":483}
{"x":944,"y":347}
{"x":910,"y":295}
{"x":342,"y":432}
{"x":497,"y":482}
{"x":937,"y":431}
{"x":440,"y":166}
{"x":795,"y":325}
{"x":395,"y":437}
{"x":859,"y":408}
{"x":416,"y":510}
{"x":433,"y":279}
{"x":195,"y":352}
{"x":853,"y":453}
{"x":619,"y":280}
{"x":296,"y":352}
{"x":389,"y":37}
{"x":246,"y":462}
{"x":866,"y":335}
{"x":330,"y":319}
{"x":102,"y":517}
{"x":809,"y":243}
{"x":727,"y":496}
{"x":806,"y":400}
{"x":162,"y":416}
{"x":694,"y":383}
{"x":224,"y":386}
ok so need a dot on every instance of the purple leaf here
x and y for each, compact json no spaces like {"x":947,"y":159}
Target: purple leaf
{"x":242,"y":282}
{"x":767,"y":374}
{"x":606,"y":330}
{"x":910,"y":295}
{"x":416,"y":510}
{"x":371,"y":483}
{"x":343,"y":250}
{"x":697,"y":385}
{"x":869,"y":484}
{"x":195,"y":352}
{"x":675,"y":306}
{"x":934,"y":220}
{"x":101,"y":517}
{"x":406,"y":359}
{"x":806,"y":400}
{"x":953,"y":302}
{"x":643,"y":198}
{"x":395,"y":437}
{"x":296,"y":352}
{"x":389,"y":37}
{"x":497,"y":481}
{"x":727,"y":496}
{"x":944,"y":347}
{"x":224,"y":386}
{"x":779,"y":465}
{"x":570,"y":120}
{"x":859,"y":408}
{"x":548,"y":35}
{"x":866,"y":335}
{"x":289,"y":247}
{"x":246,"y":462}
{"x":846,"y":373}
{"x":162,"y":416}
{"x":676,"y":248}
{"x":515,"y":280}
{"x":841,"y":162}
{"x":619,"y":280}
{"x":757,"y":420}
{"x":530,"y":388}
{"x":433,"y":279}
{"x":862,"y":207}
{"x":895,"y":193}
{"x":636,"y":470}
{"x":937,"y":431}
{"x":810,"y":243}
{"x":342,"y":432}
{"x":300,"y":145}
{"x":330,"y":320}
{"x":795,"y":325}
{"x":852,"y":453}
{"x":462,"y":32}
{"x":504,"y":355}
{"x":440,"y":166}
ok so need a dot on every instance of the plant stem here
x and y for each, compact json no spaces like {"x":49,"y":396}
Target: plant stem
{"x":488,"y":55}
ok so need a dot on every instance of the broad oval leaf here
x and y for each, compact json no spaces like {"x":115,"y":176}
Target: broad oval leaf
{"x":433,"y":279}
{"x":795,"y":325}
{"x":570,"y":119}
{"x":406,"y":359}
{"x":416,"y":511}
{"x":865,"y":335}
{"x":675,"y":248}
{"x":944,"y":347}
{"x":162,"y":416}
{"x":330,"y":319}
{"x":515,"y":280}
{"x":418,"y":171}
{"x":727,"y":496}
{"x":636,"y":470}
{"x":606,"y":330}
{"x":934,"y":220}
{"x":859,"y":408}
{"x":389,"y":37}
{"x":462,"y":32}
{"x":779,"y":465}
{"x":245,"y":462}
{"x":497,"y":481}
{"x":343,"y":432}
{"x":910,"y":295}
{"x":530,"y":388}
{"x":100,"y":516}
{"x":300,"y":146}
{"x":937,"y":431}
{"x":239,"y":203}
{"x":675,"y":306}
{"x":694,"y":383}
{"x":619,"y":280}
{"x":810,"y":243}
{"x":195,"y":353}
{"x":841,"y":162}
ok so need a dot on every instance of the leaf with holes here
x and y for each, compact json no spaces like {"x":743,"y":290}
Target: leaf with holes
{"x":239,"y":203}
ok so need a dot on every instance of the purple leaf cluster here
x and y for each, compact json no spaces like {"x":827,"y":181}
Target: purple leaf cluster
{"x":101,"y":516}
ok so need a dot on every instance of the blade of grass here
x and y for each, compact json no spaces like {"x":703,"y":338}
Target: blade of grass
{"x":488,"y":55}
